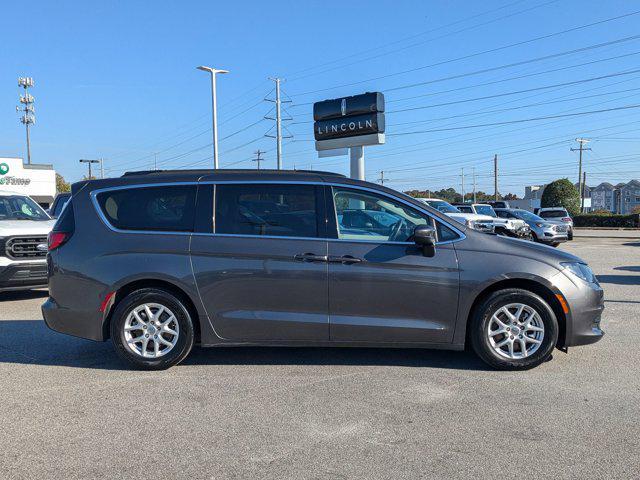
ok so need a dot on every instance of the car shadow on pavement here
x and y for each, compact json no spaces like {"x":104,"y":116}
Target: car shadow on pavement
{"x":355,"y":356}
{"x":630,"y":268}
{"x":30,"y":342}
{"x":23,"y":295}
{"x":620,"y":279}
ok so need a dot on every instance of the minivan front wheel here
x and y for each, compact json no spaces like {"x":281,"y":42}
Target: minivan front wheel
{"x":514,"y":329}
{"x":152,"y":329}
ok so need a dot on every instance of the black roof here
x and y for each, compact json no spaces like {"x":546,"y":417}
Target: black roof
{"x":231,"y":172}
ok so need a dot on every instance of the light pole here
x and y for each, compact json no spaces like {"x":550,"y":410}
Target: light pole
{"x":214,"y":113}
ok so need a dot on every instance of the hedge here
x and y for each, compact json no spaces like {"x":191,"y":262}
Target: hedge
{"x":611,"y":221}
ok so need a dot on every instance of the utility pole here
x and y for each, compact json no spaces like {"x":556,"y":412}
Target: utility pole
{"x":495,"y":176}
{"x":102,"y":168}
{"x":381,"y":179}
{"x":214,"y":109}
{"x":462,"y":180}
{"x":278,"y":136}
{"x":258,"y":159}
{"x":89,"y":162}
{"x":584,"y":183}
{"x":28,"y":116}
{"x":582,"y":142}
{"x":474,"y":184}
{"x":155,"y":161}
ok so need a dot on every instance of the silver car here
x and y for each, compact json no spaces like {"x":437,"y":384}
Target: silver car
{"x":542,"y":231}
{"x":557,"y":215}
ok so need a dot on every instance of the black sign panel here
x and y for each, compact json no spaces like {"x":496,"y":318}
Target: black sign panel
{"x":351,"y":126}
{"x":370,"y":102}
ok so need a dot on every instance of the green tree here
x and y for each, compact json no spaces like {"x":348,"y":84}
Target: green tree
{"x":561,"y":193}
{"x":61,"y":184}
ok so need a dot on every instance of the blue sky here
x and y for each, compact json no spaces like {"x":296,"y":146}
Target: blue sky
{"x":117,"y":80}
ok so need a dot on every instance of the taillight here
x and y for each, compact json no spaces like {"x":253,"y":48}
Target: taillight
{"x":55,"y":239}
{"x":566,"y":219}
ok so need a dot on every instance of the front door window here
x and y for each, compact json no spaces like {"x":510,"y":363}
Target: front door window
{"x":366,"y":216}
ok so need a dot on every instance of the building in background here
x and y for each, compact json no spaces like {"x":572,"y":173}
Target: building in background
{"x":603,"y":197}
{"x":629,"y":197}
{"x":36,"y":180}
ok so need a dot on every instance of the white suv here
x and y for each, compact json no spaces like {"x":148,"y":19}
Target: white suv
{"x":482,"y":223}
{"x":24,"y":227}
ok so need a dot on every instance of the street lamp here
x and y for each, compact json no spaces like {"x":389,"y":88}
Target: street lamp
{"x":214,"y":113}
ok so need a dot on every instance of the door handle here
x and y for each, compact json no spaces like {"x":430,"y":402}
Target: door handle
{"x":345,"y":259}
{"x":309,"y":257}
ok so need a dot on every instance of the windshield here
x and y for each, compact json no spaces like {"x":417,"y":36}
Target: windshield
{"x":527,"y":216}
{"x":442,"y":206}
{"x":554,"y":213}
{"x":486,"y":210}
{"x":19,"y":207}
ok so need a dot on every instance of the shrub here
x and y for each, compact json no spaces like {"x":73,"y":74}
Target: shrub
{"x":561,"y":193}
{"x":607,"y":221}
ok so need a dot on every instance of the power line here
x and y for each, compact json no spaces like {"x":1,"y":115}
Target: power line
{"x":522,"y":120}
{"x":406,"y":47}
{"x":484,"y":52}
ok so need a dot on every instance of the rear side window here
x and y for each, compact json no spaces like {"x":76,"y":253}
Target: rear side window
{"x":553,"y":213}
{"x":167,"y":208}
{"x":274,"y":210}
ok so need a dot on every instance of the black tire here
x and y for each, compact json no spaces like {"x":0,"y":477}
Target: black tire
{"x":185,"y":339}
{"x":481,"y":318}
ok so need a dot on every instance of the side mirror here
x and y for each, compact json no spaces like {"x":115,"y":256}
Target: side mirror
{"x":425,"y":237}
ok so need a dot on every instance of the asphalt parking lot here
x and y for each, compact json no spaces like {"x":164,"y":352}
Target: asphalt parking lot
{"x":70,"y":409}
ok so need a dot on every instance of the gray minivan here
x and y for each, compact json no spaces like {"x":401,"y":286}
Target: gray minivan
{"x":160,"y":261}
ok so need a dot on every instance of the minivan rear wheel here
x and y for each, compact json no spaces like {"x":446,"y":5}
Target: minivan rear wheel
{"x":152,"y":329}
{"x":514,"y":329}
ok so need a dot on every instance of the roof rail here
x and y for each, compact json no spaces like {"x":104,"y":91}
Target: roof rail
{"x":230,"y":171}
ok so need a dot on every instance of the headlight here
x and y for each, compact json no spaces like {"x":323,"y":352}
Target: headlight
{"x":580,"y":270}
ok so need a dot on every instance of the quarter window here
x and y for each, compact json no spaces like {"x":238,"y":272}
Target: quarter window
{"x":367,"y":216}
{"x":169,"y":208}
{"x":272,"y":210}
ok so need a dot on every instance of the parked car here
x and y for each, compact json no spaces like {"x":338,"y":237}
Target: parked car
{"x":160,"y":261}
{"x":482,"y":223}
{"x":508,"y":227}
{"x":58,"y":204}
{"x":499,"y":204}
{"x":24,"y":226}
{"x":557,"y":215}
{"x":542,"y":231}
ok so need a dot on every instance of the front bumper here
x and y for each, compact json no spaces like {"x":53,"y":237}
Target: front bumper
{"x":23,"y":276}
{"x":586,"y":304}
{"x":549,"y":235}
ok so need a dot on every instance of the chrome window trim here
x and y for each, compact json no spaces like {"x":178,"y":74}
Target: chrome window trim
{"x":95,"y":193}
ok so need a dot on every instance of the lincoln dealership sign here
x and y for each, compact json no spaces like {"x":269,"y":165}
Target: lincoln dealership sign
{"x":349,"y":121}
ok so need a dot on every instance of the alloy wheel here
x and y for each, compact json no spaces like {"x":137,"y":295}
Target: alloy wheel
{"x":151,"y":330}
{"x":515,"y":331}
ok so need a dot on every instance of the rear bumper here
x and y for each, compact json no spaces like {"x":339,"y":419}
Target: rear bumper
{"x":78,"y":324}
{"x":23,"y":276}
